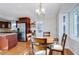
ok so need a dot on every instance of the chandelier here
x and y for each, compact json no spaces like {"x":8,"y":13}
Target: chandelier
{"x":40,"y":11}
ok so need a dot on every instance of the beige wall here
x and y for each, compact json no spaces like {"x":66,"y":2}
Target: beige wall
{"x":4,"y":30}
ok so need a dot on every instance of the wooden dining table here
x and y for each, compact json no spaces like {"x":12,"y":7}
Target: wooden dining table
{"x":50,"y":39}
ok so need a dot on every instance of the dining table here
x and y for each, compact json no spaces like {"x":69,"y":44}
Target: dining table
{"x":50,"y":39}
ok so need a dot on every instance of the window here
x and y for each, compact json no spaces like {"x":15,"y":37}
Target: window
{"x":76,"y":24}
{"x":64,"y":25}
{"x":13,"y":25}
{"x":63,"y":19}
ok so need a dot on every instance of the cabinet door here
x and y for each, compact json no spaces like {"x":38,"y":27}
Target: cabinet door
{"x":9,"y":25}
{"x":0,"y":42}
{"x":4,"y":43}
{"x":28,"y":25}
{"x":1,"y":24}
{"x":6,"y":25}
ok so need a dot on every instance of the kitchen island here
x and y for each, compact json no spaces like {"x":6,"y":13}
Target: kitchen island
{"x":8,"y":40}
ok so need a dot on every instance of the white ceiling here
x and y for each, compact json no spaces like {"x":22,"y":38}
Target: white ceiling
{"x":67,"y":7}
{"x":12,"y":11}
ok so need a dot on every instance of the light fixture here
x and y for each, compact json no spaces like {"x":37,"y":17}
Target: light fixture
{"x":41,"y":10}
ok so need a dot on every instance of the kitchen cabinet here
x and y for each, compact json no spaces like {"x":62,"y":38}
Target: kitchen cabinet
{"x":8,"y":41}
{"x":5,"y":24}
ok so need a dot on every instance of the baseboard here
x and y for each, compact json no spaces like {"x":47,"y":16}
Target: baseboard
{"x":72,"y":51}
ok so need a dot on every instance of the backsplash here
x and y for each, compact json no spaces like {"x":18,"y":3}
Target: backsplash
{"x":5,"y":30}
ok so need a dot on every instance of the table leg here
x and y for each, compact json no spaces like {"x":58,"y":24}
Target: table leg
{"x":50,"y":53}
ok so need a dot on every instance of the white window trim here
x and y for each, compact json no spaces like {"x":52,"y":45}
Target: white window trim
{"x":74,"y":29}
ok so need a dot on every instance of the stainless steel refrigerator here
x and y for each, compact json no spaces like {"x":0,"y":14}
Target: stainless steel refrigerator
{"x":22,"y":30}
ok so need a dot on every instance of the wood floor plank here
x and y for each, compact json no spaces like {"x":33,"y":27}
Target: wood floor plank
{"x":23,"y":48}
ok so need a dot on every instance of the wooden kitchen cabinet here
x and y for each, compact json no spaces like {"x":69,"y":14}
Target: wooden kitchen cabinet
{"x":5,"y":24}
{"x":8,"y":41}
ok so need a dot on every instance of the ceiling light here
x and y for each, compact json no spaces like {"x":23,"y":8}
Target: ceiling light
{"x":43,"y":10}
{"x":37,"y":10}
{"x":40,"y":10}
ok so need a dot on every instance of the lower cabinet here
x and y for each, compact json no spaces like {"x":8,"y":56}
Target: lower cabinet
{"x":8,"y":41}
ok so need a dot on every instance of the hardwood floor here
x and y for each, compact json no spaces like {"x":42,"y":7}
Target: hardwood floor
{"x":18,"y":50}
{"x":23,"y":48}
{"x":66,"y":51}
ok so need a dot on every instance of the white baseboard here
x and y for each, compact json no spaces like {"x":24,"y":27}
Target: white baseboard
{"x":72,"y":51}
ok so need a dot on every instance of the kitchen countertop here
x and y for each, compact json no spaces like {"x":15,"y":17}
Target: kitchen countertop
{"x":5,"y":34}
{"x":8,"y":31}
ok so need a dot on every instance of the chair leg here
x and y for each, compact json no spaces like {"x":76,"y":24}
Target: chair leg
{"x":62,"y":52}
{"x":50,"y":53}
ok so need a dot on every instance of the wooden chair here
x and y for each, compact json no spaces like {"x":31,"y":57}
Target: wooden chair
{"x":59,"y":47}
{"x":45,"y":34}
{"x":39,"y":46}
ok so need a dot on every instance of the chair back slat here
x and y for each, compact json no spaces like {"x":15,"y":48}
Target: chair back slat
{"x":64,"y":37}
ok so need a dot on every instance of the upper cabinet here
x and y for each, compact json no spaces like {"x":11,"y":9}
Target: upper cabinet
{"x":5,"y":24}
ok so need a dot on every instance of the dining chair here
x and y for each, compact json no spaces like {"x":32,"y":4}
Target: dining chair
{"x":39,"y":46}
{"x":59,"y":47}
{"x":45,"y":34}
